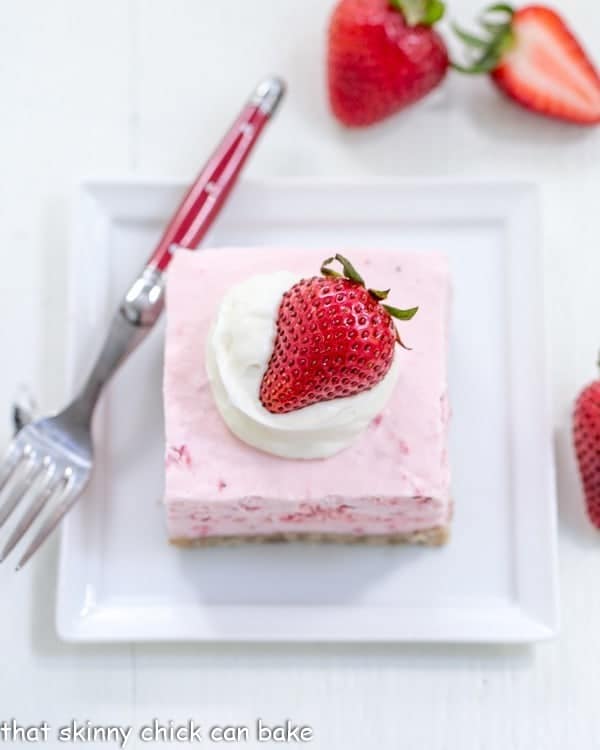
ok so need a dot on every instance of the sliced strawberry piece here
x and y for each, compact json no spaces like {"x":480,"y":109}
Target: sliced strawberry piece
{"x":534,"y":58}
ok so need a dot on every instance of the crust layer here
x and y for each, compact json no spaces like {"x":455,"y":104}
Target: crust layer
{"x":434,"y":537}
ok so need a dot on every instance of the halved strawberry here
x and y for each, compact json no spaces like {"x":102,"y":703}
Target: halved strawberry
{"x":534,"y":58}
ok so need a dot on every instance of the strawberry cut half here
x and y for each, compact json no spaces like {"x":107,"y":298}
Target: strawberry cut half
{"x":534,"y":58}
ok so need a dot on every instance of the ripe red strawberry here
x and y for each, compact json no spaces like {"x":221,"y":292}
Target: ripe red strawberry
{"x":586,"y":433}
{"x":535,"y":59}
{"x":334,"y":338}
{"x":383,"y":55}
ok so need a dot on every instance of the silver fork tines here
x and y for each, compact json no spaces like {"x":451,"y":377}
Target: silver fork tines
{"x":14,"y":456}
{"x":67,"y":493}
{"x":48,"y":487}
{"x":47,"y":466}
{"x":33,"y":468}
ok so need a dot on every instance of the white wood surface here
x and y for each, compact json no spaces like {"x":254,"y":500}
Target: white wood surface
{"x":145,"y":87}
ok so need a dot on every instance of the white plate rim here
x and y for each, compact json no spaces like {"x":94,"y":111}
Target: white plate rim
{"x":535,"y":617}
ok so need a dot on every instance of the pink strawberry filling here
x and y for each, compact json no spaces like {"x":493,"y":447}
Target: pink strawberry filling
{"x":254,"y":516}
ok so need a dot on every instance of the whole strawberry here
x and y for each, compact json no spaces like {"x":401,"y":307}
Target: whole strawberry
{"x":334,"y":338}
{"x":586,"y":433}
{"x":383,"y":55}
{"x":535,"y":59}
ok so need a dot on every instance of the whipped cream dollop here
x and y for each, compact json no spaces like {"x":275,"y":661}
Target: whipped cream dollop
{"x":239,"y":348}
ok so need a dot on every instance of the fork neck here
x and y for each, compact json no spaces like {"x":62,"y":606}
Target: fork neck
{"x":139,"y":310}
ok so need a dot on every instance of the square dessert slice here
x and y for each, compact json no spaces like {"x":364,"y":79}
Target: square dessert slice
{"x":389,"y":484}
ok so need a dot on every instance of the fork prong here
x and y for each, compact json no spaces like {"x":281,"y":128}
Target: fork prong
{"x":72,"y":492}
{"x":14,"y":456}
{"x":50,"y":487}
{"x":31,"y":474}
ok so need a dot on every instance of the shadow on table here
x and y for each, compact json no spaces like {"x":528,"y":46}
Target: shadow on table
{"x":505,"y":122}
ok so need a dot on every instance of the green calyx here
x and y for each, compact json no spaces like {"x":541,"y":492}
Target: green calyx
{"x":379,"y":294}
{"x":395,"y":312}
{"x":486,"y":52}
{"x":350,"y":273}
{"x":420,"y":12}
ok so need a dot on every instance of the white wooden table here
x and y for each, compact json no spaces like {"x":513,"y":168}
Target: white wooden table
{"x":145,"y":87}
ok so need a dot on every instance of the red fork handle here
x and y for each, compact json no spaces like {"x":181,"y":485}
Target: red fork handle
{"x":209,"y":192}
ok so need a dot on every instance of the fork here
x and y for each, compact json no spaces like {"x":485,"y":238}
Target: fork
{"x":50,"y":460}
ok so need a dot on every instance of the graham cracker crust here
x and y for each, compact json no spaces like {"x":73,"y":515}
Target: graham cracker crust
{"x":435,"y":537}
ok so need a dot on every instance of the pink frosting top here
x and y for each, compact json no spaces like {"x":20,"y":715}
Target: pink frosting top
{"x":402,"y":456}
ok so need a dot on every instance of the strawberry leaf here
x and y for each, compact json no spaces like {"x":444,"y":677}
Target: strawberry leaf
{"x":325,"y":271}
{"x":469,"y":39}
{"x":379,"y":294}
{"x":349,"y":271}
{"x":420,"y":12}
{"x":399,"y":314}
{"x":399,"y":341}
{"x":434,"y":12}
{"x":501,"y":8}
{"x":487,"y":54}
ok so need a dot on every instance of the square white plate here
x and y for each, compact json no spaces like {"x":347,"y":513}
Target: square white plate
{"x":495,"y":580}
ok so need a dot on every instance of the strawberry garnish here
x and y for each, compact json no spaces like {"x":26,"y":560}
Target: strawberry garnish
{"x":383,"y":55}
{"x":534,"y":58}
{"x":586,"y":433}
{"x":334,"y":338}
